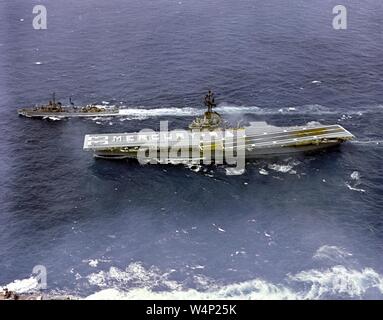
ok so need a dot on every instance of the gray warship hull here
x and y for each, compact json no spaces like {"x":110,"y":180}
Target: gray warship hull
{"x":257,"y":140}
{"x":65,"y":114}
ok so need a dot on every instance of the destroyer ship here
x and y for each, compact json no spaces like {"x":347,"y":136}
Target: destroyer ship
{"x":257,"y":140}
{"x":55,"y":110}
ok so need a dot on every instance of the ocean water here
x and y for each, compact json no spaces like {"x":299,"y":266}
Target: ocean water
{"x":297,"y":227}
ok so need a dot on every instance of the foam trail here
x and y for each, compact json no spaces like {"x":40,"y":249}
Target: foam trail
{"x":367,"y":142}
{"x":137,"y":112}
{"x":22,"y":286}
{"x":355,"y":177}
{"x":137,"y":282}
{"x":223,"y":108}
{"x":333,"y":282}
{"x":339,"y":280}
{"x":332,"y":253}
{"x":355,"y":189}
{"x":254,"y":289}
{"x":280,"y":168}
{"x":141,"y":112}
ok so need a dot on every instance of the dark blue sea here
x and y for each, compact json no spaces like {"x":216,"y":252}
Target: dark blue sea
{"x":297,"y":227}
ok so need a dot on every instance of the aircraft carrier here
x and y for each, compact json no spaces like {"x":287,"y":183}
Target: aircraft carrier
{"x":259,"y":139}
